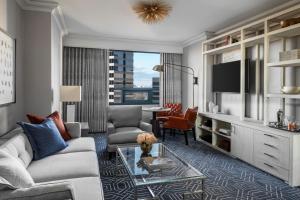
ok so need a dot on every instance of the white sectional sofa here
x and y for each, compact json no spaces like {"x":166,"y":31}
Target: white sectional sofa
{"x":72,"y":173}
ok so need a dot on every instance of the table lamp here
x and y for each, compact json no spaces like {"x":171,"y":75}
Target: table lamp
{"x":70,"y":94}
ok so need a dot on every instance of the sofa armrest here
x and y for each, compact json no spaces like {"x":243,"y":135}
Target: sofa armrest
{"x":50,"y":191}
{"x":110,"y":128}
{"x":146,"y":126}
{"x":74,"y":128}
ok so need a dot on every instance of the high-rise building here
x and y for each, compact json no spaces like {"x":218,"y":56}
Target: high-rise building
{"x":120,"y":74}
{"x":155,"y":90}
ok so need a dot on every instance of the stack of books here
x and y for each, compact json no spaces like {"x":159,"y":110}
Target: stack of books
{"x":153,"y":164}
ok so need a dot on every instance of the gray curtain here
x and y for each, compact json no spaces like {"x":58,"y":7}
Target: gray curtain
{"x":88,"y":68}
{"x":170,"y":79}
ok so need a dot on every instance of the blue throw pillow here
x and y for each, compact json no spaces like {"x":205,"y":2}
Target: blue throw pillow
{"x":44,"y":138}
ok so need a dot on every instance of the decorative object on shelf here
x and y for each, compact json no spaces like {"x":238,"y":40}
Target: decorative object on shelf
{"x":280,"y":118}
{"x":152,"y":11}
{"x":145,"y":140}
{"x":289,"y":22}
{"x":290,"y":90}
{"x":210,"y":106}
{"x":7,"y":69}
{"x":70,"y":94}
{"x":161,"y":68}
{"x":215,"y":109}
{"x":289,"y":55}
{"x":225,"y":131}
{"x":293,"y":127}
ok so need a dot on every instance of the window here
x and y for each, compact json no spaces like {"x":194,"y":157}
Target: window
{"x":134,"y":81}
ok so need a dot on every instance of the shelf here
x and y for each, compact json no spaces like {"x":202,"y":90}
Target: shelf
{"x":288,"y":63}
{"x":207,"y":129}
{"x":254,"y":40}
{"x":223,"y":49}
{"x":289,"y":31}
{"x":213,"y":146}
{"x":286,"y":96}
{"x":222,"y":135}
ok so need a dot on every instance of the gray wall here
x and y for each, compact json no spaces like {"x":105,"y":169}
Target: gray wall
{"x":11,"y":21}
{"x":192,"y":57}
{"x":37,"y":59}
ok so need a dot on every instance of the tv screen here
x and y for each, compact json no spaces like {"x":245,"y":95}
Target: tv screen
{"x":226,"y":77}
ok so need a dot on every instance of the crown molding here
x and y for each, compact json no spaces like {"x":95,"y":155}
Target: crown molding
{"x":60,"y":20}
{"x":38,"y":5}
{"x":104,"y":41}
{"x":46,"y":6}
{"x":198,"y":38}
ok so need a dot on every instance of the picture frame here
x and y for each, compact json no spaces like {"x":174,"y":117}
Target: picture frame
{"x":7,"y":69}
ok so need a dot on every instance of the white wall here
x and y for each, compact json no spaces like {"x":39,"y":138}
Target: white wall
{"x":192,"y":57}
{"x":56,"y":64}
{"x":11,"y":21}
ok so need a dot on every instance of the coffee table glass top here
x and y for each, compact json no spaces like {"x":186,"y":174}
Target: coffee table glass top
{"x":179,"y":170}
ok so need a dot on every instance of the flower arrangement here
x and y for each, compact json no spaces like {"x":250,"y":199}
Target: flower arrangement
{"x":145,"y":140}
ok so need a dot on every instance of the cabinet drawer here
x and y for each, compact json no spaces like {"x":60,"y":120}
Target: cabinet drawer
{"x":273,"y":141}
{"x":274,"y":170}
{"x":272,"y":148}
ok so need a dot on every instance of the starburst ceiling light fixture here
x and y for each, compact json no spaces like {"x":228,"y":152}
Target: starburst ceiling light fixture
{"x":152,"y":11}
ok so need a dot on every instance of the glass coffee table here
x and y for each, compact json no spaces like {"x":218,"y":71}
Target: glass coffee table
{"x":179,"y":171}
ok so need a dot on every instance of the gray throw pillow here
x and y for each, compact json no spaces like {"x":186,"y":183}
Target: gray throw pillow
{"x":13,"y":174}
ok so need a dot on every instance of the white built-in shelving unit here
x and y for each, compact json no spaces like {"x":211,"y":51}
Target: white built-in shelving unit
{"x":274,"y":151}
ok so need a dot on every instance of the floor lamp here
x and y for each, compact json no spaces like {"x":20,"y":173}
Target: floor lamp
{"x":161,"y":68}
{"x":70,"y":94}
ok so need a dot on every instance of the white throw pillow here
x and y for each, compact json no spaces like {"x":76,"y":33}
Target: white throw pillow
{"x":13,"y":174}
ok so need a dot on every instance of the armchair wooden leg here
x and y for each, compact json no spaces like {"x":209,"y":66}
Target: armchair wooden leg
{"x":194,"y":133}
{"x":164,"y":134}
{"x":186,"y":137}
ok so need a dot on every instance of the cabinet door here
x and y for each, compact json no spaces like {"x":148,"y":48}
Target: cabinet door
{"x":242,"y":143}
{"x":235,"y":141}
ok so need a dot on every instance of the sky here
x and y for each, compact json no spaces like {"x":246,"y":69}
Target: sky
{"x":143,"y":64}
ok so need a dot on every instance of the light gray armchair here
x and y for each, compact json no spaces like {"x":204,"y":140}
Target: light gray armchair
{"x":124,"y":124}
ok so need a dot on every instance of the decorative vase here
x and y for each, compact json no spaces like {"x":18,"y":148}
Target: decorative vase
{"x":146,"y":148}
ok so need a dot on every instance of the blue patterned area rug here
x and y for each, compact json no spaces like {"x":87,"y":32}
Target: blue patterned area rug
{"x":227,"y":178}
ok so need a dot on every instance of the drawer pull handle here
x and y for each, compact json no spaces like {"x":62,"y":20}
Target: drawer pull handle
{"x":269,"y":145}
{"x":269,"y":165}
{"x":272,"y":136}
{"x":271,"y":156}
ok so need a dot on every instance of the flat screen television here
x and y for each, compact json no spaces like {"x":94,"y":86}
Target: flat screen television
{"x":226,"y":77}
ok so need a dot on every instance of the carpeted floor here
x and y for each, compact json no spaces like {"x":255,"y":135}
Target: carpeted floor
{"x":227,"y":178}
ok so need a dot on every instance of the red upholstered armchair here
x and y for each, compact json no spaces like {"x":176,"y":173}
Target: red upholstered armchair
{"x":184,"y":124}
{"x":176,"y":110}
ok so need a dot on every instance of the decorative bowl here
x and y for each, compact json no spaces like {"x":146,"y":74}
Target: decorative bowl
{"x":290,"y":90}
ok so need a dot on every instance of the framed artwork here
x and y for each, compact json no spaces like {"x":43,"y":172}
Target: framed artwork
{"x":7,"y":69}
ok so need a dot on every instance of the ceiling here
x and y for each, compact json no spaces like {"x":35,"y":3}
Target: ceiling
{"x":116,"y":19}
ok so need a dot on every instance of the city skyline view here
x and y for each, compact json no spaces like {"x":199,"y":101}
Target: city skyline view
{"x":143,"y":64}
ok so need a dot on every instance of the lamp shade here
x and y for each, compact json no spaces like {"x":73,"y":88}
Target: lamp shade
{"x":158,"y":68}
{"x":70,"y":93}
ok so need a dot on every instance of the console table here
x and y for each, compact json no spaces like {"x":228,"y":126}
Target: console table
{"x":274,"y":151}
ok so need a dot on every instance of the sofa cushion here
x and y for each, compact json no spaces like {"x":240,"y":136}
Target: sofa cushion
{"x":12,"y":173}
{"x":79,"y":144}
{"x":20,"y":148}
{"x":125,"y":116}
{"x":126,"y":135}
{"x":85,"y":188}
{"x":65,"y":166}
{"x":44,"y":138}
{"x":57,"y":120}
